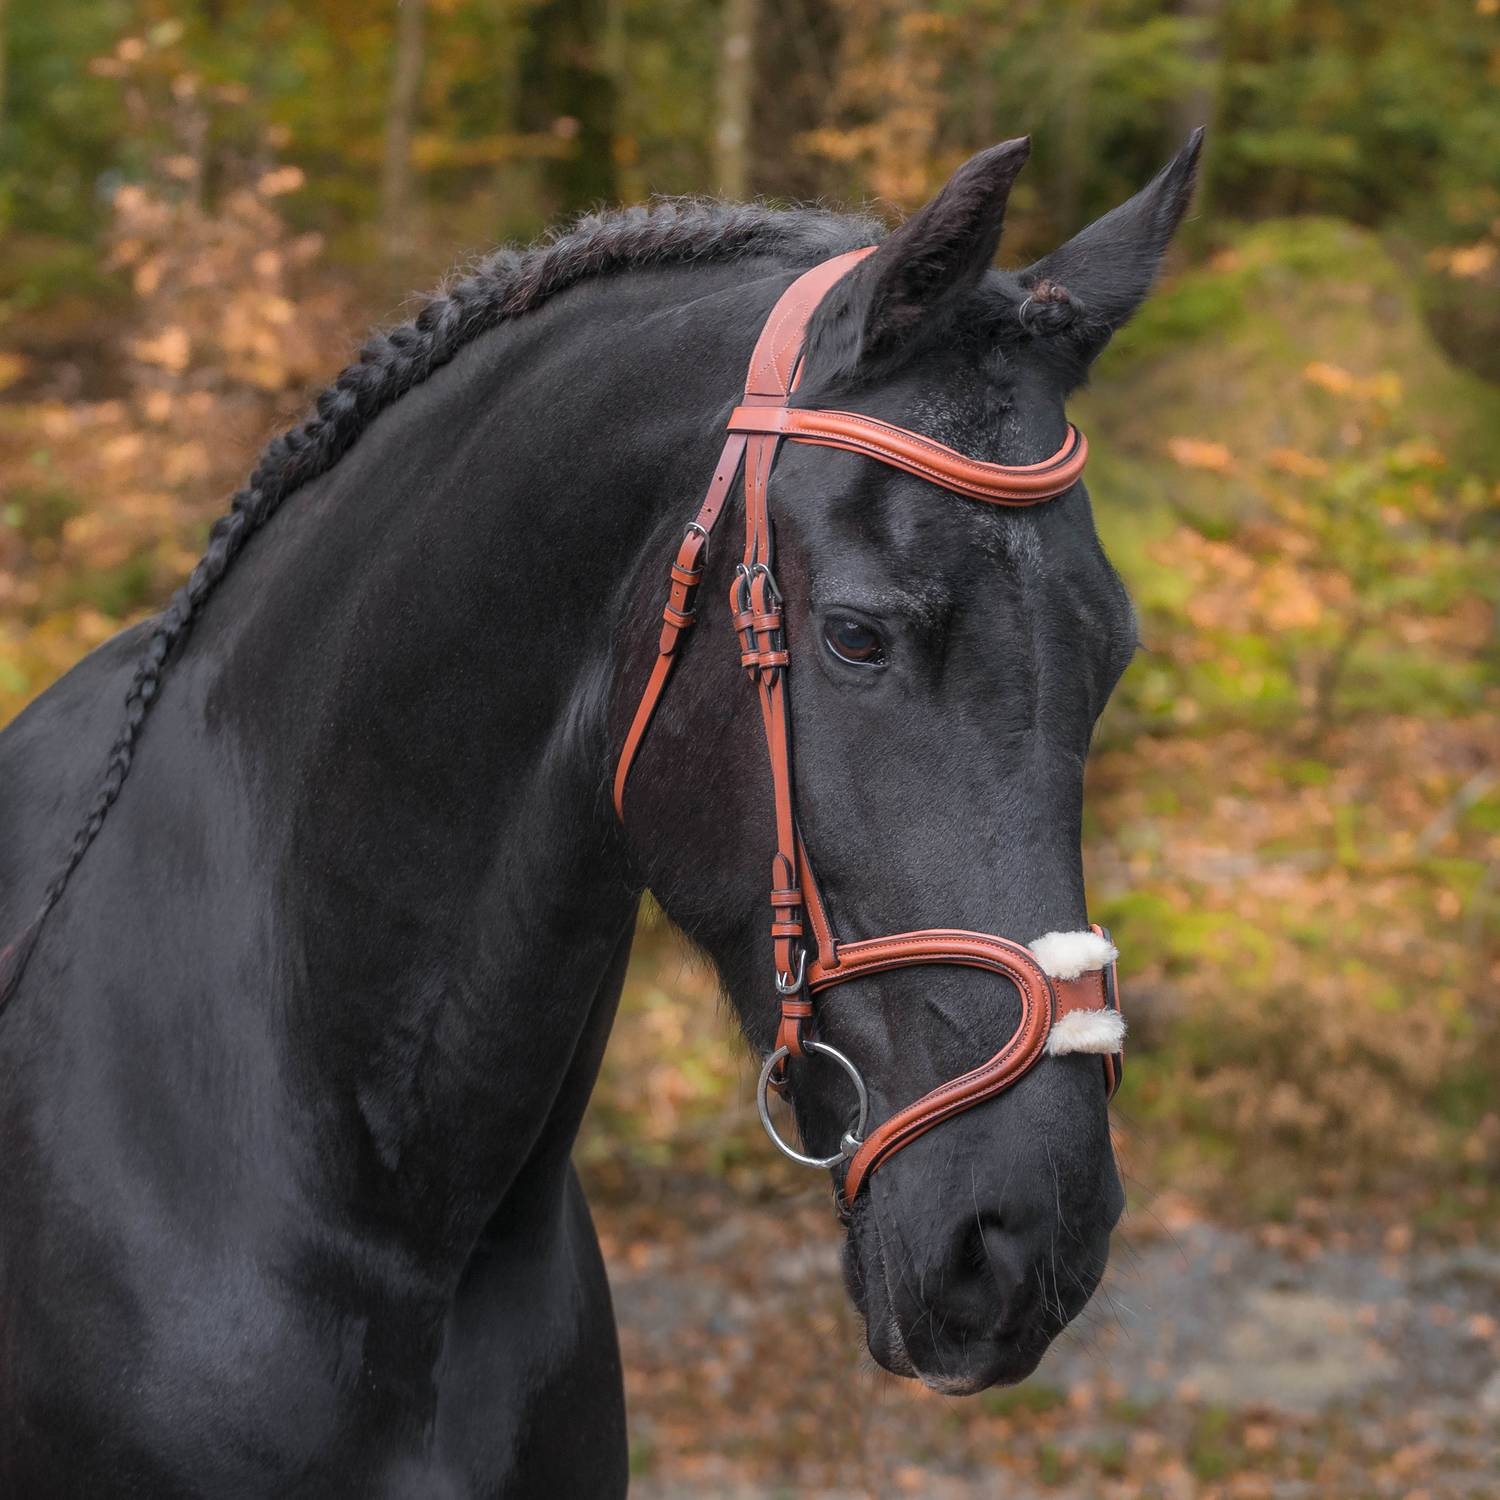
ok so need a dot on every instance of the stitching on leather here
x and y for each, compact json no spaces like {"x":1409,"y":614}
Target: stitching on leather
{"x":920,"y":1112}
{"x":786,"y":421}
{"x":774,"y":333}
{"x":993,"y":478}
{"x":942,"y":450}
{"x":978,"y":490}
{"x":981,"y":1083}
{"x":793,"y":305}
{"x":854,"y":954}
{"x":920,"y":939}
{"x":770,"y":339}
{"x":804,"y":305}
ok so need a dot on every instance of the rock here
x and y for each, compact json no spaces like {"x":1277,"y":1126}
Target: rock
{"x":1295,"y":1351}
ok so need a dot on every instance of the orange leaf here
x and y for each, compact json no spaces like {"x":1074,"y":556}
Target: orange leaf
{"x":1291,"y":461}
{"x":1199,"y":453}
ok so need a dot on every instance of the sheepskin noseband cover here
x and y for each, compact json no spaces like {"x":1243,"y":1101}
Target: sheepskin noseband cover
{"x":1067,"y":955}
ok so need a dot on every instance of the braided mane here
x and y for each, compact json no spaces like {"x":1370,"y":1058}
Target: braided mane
{"x":504,"y":285}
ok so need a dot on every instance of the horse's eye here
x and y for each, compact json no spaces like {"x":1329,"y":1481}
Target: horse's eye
{"x":854,"y":642}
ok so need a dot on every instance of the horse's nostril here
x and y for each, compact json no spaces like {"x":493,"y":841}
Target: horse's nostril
{"x":980,"y":1240}
{"x":999,"y":1260}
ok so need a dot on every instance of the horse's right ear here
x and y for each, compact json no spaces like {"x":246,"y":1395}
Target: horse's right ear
{"x":1092,"y":286}
{"x":870,"y":318}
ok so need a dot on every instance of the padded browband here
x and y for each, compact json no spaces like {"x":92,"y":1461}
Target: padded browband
{"x":1000,"y":484}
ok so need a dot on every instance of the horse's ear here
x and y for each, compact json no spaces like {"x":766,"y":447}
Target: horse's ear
{"x":1091,"y":286}
{"x":938,"y":254}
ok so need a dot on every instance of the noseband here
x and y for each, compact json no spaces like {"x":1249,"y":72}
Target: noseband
{"x":756,"y":429}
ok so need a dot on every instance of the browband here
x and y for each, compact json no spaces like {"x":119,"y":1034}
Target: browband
{"x":1000,"y":484}
{"x":756,"y":429}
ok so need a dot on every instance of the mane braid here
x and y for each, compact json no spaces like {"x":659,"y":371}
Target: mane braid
{"x":504,"y":285}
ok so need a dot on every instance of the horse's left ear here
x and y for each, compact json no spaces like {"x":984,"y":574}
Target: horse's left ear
{"x":873,"y":317}
{"x":1091,"y":286}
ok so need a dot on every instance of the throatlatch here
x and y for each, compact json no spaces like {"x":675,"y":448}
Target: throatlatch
{"x":1062,"y":976}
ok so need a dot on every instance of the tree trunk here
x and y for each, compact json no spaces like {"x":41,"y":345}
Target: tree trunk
{"x":400,"y":122}
{"x":732,"y":130}
{"x":569,"y":96}
{"x":1074,"y":145}
{"x":798,"y":46}
{"x":4,"y":64}
{"x":1200,"y":105}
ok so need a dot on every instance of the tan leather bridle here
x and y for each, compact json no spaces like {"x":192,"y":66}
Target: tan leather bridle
{"x":756,"y":429}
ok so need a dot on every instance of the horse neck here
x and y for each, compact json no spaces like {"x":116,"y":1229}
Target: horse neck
{"x":397,"y":706}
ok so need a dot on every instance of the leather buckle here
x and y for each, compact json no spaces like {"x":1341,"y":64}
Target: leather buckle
{"x":772,"y":587}
{"x":792,"y":983}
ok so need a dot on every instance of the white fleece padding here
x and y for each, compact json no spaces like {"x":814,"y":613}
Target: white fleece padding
{"x":1066,"y":955}
{"x":1086,"y":1031}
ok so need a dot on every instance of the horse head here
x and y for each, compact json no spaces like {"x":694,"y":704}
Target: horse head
{"x":929,"y":670}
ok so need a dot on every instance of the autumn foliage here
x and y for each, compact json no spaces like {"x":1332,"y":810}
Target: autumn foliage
{"x":1293,"y":823}
{"x":1305,"y":812}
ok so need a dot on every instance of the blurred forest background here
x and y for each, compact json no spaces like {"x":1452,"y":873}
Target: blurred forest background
{"x":1294,"y":820}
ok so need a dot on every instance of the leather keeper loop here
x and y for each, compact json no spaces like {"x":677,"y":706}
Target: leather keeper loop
{"x":786,"y":929}
{"x":687,"y":577}
{"x":789,"y":1035}
{"x":682,"y":618}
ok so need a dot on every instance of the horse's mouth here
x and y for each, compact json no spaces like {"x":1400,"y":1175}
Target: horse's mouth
{"x":956,"y":1348}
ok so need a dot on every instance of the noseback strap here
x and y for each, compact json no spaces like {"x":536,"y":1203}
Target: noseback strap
{"x":1044,"y":1001}
{"x":975,"y":950}
{"x":799,"y":918}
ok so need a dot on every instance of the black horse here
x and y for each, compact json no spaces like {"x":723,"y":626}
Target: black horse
{"x":299,"y":1030}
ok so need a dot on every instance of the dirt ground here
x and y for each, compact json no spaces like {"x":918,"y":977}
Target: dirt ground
{"x":1290,"y":1361}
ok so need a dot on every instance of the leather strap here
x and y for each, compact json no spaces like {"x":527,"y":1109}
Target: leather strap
{"x":756,"y":430}
{"x":1000,"y":484}
{"x":678,"y":616}
{"x":1043,"y":1000}
{"x":771,"y":377}
{"x":951,"y":946}
{"x":773,"y":365}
